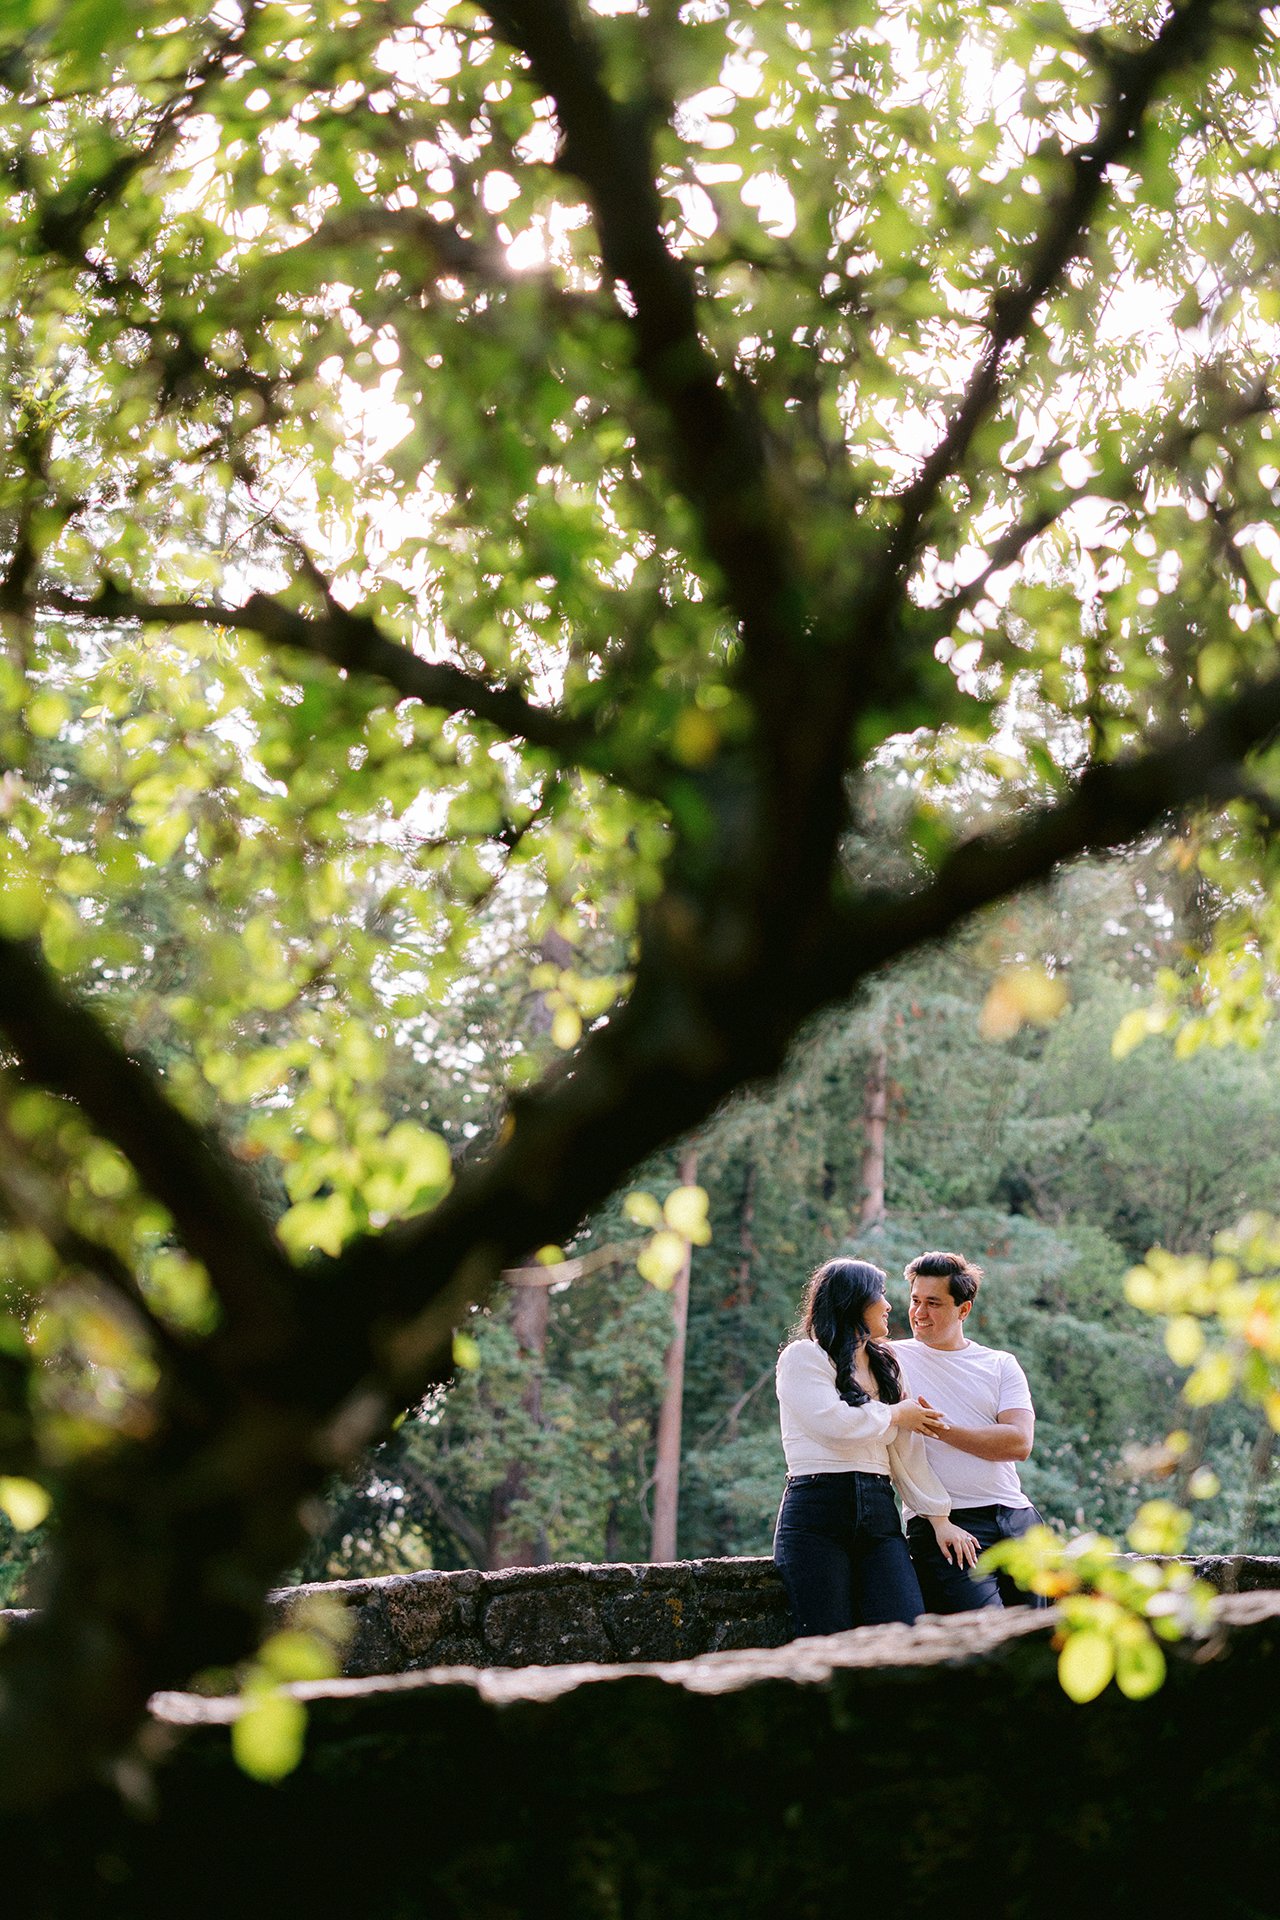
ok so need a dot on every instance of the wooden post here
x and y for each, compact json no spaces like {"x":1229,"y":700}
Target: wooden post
{"x":666,"y":1469}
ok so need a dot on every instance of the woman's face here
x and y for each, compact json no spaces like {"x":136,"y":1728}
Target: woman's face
{"x":875,"y":1317}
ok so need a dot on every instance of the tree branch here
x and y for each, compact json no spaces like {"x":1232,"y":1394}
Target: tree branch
{"x":446,"y":246}
{"x":349,"y":640}
{"x":1136,"y":78}
{"x":690,"y":1033}
{"x":451,"y":1517}
{"x":1109,"y":806}
{"x":929,"y":624}
{"x":62,"y":1046}
{"x":559,"y":1273}
{"x":718,"y":456}
{"x":378,"y":1325}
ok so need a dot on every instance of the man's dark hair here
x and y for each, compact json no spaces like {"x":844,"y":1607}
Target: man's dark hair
{"x":961,"y":1276}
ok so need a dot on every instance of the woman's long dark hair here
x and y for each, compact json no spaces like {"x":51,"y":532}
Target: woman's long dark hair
{"x":835,"y":1301}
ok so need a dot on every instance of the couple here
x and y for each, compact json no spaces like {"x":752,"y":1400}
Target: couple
{"x":940,"y":1418}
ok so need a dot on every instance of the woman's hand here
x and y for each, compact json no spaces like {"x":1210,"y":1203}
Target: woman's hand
{"x":917,"y":1416}
{"x":955,"y":1544}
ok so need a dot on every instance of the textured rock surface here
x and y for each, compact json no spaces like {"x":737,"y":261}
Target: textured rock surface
{"x":936,"y":1770}
{"x":547,"y":1616}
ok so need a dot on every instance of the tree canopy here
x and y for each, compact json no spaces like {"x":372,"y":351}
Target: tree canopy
{"x":514,"y":525}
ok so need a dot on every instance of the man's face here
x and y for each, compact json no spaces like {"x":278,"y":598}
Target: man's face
{"x":935,"y":1318}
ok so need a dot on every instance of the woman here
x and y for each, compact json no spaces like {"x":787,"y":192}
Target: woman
{"x":850,"y":1436}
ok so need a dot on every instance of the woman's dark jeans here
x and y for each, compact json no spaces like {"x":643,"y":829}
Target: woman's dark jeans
{"x":842,"y":1554}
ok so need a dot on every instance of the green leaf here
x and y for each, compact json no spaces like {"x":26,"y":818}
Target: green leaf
{"x":24,"y":1501}
{"x":22,"y":907}
{"x":325,"y":1224}
{"x":1159,"y":1526}
{"x":466,"y":1352}
{"x":685,"y":1211}
{"x":1086,"y":1664}
{"x":566,"y":1028}
{"x":642,"y":1209}
{"x":1140,"y":1666}
{"x":1138,"y":1025}
{"x":1212,"y":1381}
{"x":268,"y":1735}
{"x":661,"y":1259}
{"x":161,"y":841}
{"x":1184,"y":1340}
{"x":47,"y":714}
{"x":295,"y":1655}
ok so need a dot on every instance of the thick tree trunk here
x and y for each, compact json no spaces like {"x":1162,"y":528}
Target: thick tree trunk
{"x":873,"y":1128}
{"x":666,"y":1471}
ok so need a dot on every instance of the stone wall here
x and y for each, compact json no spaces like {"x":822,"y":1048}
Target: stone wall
{"x":558,"y":1615}
{"x":929,"y":1771}
{"x":552,"y":1616}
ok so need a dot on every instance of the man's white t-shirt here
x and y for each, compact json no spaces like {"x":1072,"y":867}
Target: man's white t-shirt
{"x":971,"y":1385}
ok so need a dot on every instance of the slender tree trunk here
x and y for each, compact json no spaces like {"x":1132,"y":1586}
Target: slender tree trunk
{"x":741,"y":1297}
{"x":530,"y":1319}
{"x":873,"y":1130}
{"x":613,"y":1513}
{"x":666,"y":1471}
{"x":746,"y":1241}
{"x":1259,"y":1472}
{"x":530,"y":1316}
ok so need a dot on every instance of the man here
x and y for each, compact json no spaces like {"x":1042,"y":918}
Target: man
{"x":983,"y":1396}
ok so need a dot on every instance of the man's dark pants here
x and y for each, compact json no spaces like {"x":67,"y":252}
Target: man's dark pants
{"x":950,"y":1589}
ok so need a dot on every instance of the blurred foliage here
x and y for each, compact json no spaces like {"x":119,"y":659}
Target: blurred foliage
{"x":269,"y":1730}
{"x":1113,"y":1613}
{"x":19,"y":1564}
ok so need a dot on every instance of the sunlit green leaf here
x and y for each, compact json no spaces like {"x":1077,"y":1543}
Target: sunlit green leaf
{"x":268,"y":1735}
{"x":25,"y":1502}
{"x":1086,"y":1664}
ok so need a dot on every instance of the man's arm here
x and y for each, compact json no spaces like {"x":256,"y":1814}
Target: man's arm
{"x":1009,"y":1439}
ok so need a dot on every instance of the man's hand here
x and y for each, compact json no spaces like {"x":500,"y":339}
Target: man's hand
{"x":955,"y":1544}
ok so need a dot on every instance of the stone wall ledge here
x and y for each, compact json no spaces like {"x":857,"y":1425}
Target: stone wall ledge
{"x":603,"y":1613}
{"x":907,"y":1771}
{"x":570,"y":1612}
{"x":961,"y":1640}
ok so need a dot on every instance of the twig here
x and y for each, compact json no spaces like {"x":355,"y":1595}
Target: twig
{"x":558,"y":1273}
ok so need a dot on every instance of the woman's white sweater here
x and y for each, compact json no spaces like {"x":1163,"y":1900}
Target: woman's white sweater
{"x":821,"y":1433}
